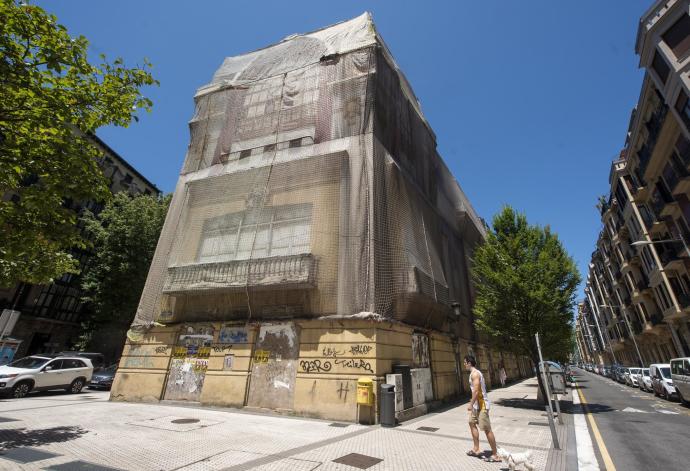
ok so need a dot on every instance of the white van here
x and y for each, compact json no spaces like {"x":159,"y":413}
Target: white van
{"x":662,"y":384}
{"x":680,"y":373}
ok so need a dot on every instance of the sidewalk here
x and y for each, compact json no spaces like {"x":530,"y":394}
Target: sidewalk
{"x":58,"y":431}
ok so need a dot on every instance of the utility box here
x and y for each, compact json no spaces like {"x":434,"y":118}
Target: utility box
{"x":365,"y":391}
{"x":396,"y":379}
{"x":404,"y":370}
{"x":555,"y":376}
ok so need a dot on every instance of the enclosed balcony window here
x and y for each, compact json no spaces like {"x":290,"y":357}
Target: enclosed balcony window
{"x":683,"y":109}
{"x":269,"y":232}
{"x":678,"y":37}
{"x":660,"y":66}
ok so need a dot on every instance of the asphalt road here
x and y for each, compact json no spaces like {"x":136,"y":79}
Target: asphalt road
{"x":639,"y":430}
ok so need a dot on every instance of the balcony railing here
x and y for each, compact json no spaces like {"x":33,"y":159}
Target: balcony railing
{"x":291,"y":270}
{"x":656,"y":319}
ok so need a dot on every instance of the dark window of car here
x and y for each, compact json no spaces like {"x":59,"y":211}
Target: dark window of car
{"x":55,"y":365}
{"x":67,"y":364}
{"x":678,"y":37}
{"x":660,"y":66}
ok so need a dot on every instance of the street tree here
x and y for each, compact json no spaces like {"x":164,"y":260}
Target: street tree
{"x":52,"y":99}
{"x":124,"y":237}
{"x":525,"y":282}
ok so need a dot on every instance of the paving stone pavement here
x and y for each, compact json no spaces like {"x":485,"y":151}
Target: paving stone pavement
{"x":86,"y":431}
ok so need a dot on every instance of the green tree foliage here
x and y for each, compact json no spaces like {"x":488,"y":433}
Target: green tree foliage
{"x":526,"y":284}
{"x":124,"y":235}
{"x":51,"y":100}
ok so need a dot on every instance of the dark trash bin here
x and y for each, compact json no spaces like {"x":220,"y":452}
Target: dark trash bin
{"x":387,"y":405}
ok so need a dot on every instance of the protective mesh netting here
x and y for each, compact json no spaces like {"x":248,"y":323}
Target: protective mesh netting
{"x":312,"y":187}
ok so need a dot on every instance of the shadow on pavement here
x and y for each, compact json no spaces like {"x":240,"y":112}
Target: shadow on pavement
{"x":22,"y":437}
{"x":531,"y":404}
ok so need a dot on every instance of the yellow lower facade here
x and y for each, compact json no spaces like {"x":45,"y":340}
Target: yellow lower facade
{"x":301,"y":367}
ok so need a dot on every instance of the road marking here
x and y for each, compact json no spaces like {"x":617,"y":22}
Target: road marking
{"x":664,"y":411}
{"x":608,"y":462}
{"x":632,"y":409}
{"x":586,"y":459}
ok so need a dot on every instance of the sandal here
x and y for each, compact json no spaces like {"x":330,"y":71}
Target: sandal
{"x":492,"y":459}
{"x":474,"y":453}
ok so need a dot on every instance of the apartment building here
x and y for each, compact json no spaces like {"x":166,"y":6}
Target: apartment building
{"x":315,"y":237}
{"x":50,"y":314}
{"x":638,"y":284}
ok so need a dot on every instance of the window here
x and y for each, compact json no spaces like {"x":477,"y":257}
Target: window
{"x":270,"y":148}
{"x":55,"y":365}
{"x":295,"y":143}
{"x":678,"y":37}
{"x":660,"y":66}
{"x":245,"y":153}
{"x":69,"y":364}
{"x":683,"y":109}
{"x":270,"y":232}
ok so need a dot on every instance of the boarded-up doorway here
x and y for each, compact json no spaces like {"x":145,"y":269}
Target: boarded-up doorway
{"x":189,"y":363}
{"x":274,"y":367}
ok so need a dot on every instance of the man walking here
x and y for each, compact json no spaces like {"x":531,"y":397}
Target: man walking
{"x":478,"y":409}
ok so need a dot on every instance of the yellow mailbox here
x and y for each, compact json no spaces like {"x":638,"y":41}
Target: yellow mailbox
{"x":365,"y":391}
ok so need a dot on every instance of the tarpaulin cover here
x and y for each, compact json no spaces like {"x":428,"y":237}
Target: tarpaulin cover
{"x":312,"y":187}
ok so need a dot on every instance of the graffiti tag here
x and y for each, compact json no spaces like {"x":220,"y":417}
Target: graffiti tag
{"x":162,"y":348}
{"x":329,"y":352}
{"x":222,"y":348}
{"x":355,"y":363}
{"x":315,"y":366}
{"x":342,"y":391}
{"x":360,"y":349}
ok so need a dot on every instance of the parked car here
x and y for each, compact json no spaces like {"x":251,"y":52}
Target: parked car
{"x":103,"y":378}
{"x":40,"y":373}
{"x":633,"y":377}
{"x":645,"y":381}
{"x":680,"y":375}
{"x":621,"y":375}
{"x":662,"y":384}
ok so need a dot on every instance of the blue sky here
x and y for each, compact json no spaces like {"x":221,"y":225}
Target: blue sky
{"x":530,"y":100}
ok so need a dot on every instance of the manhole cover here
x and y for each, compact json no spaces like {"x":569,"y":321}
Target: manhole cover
{"x":184,"y":421}
{"x":427,"y":429}
{"x":358,"y":461}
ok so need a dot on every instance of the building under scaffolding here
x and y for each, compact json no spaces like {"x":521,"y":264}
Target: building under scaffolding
{"x":315,"y":236}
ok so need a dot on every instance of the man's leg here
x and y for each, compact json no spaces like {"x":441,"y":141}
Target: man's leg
{"x":475,"y":437}
{"x":492,"y":442}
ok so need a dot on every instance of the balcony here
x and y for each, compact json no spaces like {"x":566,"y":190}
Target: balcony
{"x":656,"y":319}
{"x":417,"y":282}
{"x":293,"y":271}
{"x":683,"y":300}
{"x":670,"y":260}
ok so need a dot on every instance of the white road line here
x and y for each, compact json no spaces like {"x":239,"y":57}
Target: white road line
{"x":586,"y":459}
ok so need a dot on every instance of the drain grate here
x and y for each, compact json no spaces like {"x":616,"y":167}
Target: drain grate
{"x":338,"y":424}
{"x":358,"y":461}
{"x":184,"y":421}
{"x":542,"y":424}
{"x":427,"y":429}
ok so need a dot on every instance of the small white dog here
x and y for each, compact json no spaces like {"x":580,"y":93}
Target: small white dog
{"x":513,"y":460}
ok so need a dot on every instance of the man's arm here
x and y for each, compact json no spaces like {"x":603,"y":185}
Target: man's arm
{"x":476,"y":384}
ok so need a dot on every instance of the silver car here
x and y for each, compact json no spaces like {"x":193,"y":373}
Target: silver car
{"x":645,"y":381}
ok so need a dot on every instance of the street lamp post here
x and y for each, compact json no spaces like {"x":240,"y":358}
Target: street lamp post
{"x":632,"y":335}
